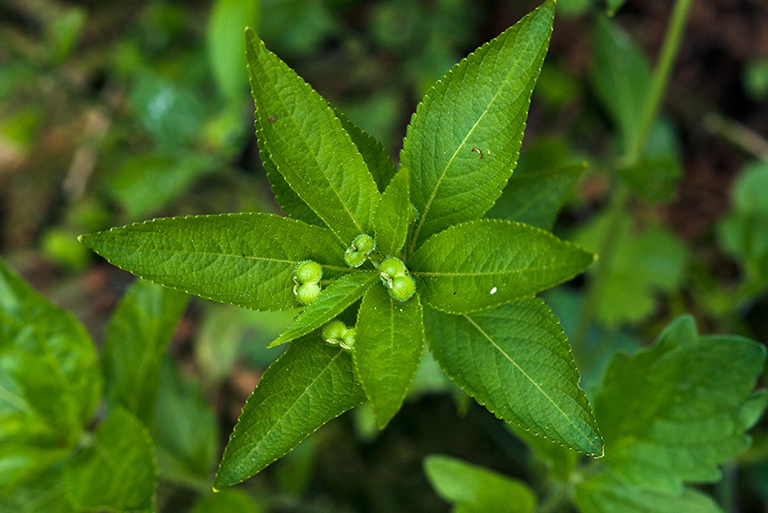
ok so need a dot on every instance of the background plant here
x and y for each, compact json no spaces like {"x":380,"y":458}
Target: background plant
{"x":714,"y":123}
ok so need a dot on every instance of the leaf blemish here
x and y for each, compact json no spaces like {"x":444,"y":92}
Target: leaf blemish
{"x":271,"y":119}
{"x":478,"y":152}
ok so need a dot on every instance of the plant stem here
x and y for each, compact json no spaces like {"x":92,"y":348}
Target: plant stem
{"x":621,"y":195}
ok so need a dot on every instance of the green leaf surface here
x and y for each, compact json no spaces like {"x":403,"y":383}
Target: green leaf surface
{"x":490,"y":262}
{"x":118,"y":471}
{"x":389,"y":344}
{"x":224,"y":33}
{"x":45,"y":493}
{"x":308,"y":145}
{"x":312,"y":383}
{"x":334,"y":299}
{"x":656,"y":175}
{"x":185,"y":430}
{"x":647,"y":262}
{"x":50,"y":381}
{"x":613,"y":6}
{"x":534,"y":197}
{"x":22,"y":463}
{"x":673,"y":413}
{"x":621,"y":78}
{"x":226,"y":501}
{"x":394,"y":215}
{"x":476,"y":489}
{"x":244,"y":259}
{"x":144,"y":184}
{"x":608,"y":493}
{"x":515,"y":361}
{"x":464,"y":139}
{"x":137,"y":335}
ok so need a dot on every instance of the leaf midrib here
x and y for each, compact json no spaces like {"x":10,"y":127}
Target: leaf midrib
{"x":528,"y":377}
{"x":461,"y":146}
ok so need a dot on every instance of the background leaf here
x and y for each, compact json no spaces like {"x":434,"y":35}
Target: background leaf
{"x":46,"y":493}
{"x":50,"y":381}
{"x":226,"y":501}
{"x":621,"y":78}
{"x":243,"y":259}
{"x":334,"y":299}
{"x":489,"y":262}
{"x":137,"y":335}
{"x":308,"y":146}
{"x":389,"y":343}
{"x":515,"y":361}
{"x":464,"y":139}
{"x":224,"y":39}
{"x":475,"y":489}
{"x":118,"y":472}
{"x":309,"y":385}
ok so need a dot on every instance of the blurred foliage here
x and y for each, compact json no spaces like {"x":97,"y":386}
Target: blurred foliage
{"x":115,"y":112}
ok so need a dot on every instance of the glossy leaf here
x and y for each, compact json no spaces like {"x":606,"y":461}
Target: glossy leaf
{"x":118,"y":472}
{"x":476,"y":489}
{"x":671,"y":414}
{"x":394,"y":215}
{"x":534,"y":197}
{"x":515,"y":360}
{"x":388,"y":346}
{"x":490,"y":262}
{"x":333,"y":300}
{"x":50,"y":381}
{"x":137,"y":335}
{"x":621,"y":78}
{"x":243,"y":259}
{"x":464,"y":139}
{"x":312,"y":383}
{"x":308,"y":146}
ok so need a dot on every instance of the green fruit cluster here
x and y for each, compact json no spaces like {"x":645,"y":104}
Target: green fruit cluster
{"x":394,"y":276}
{"x":336,"y":332}
{"x":358,"y":252}
{"x":307,"y":277}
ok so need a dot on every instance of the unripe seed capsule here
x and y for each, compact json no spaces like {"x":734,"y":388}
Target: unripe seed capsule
{"x":306,"y":293}
{"x":334,"y":331}
{"x":402,"y":288}
{"x":309,"y":271}
{"x":364,"y":243}
{"x":393,"y":267}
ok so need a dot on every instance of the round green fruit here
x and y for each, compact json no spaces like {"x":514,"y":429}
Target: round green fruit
{"x":402,"y":288}
{"x":309,"y":271}
{"x":306,"y":293}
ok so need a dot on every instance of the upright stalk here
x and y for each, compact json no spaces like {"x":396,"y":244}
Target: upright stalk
{"x":620,"y":197}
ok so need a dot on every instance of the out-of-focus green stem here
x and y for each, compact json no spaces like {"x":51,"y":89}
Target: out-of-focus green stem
{"x":621,"y":194}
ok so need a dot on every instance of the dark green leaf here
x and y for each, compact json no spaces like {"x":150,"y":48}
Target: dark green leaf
{"x":308,"y":145}
{"x":673,"y":413}
{"x":621,"y":78}
{"x":464,"y":139}
{"x":185,"y":430}
{"x":312,"y":383}
{"x":489,"y":262}
{"x":516,"y":361}
{"x":394,"y":215}
{"x":334,"y":299}
{"x":476,"y":489}
{"x":226,"y":501}
{"x":117,"y":472}
{"x":137,"y":334}
{"x":388,"y":346}
{"x":614,"y":6}
{"x":50,"y":381}
{"x":534,"y":197}
{"x":243,"y":259}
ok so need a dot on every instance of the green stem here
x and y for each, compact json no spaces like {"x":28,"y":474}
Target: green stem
{"x":621,"y":196}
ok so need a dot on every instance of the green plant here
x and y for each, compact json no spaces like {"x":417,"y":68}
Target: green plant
{"x":473,"y":278}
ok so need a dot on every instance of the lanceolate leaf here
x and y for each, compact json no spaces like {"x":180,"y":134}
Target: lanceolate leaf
{"x":334,"y":299}
{"x":394,"y":215}
{"x":515,"y":360}
{"x":488,"y":262}
{"x":476,"y":488}
{"x":388,"y":346}
{"x":118,"y":472}
{"x":312,"y":383}
{"x":50,"y":381}
{"x":308,"y":146}
{"x":673,"y":413}
{"x":464,"y":139}
{"x":243,"y":259}
{"x":137,"y":335}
